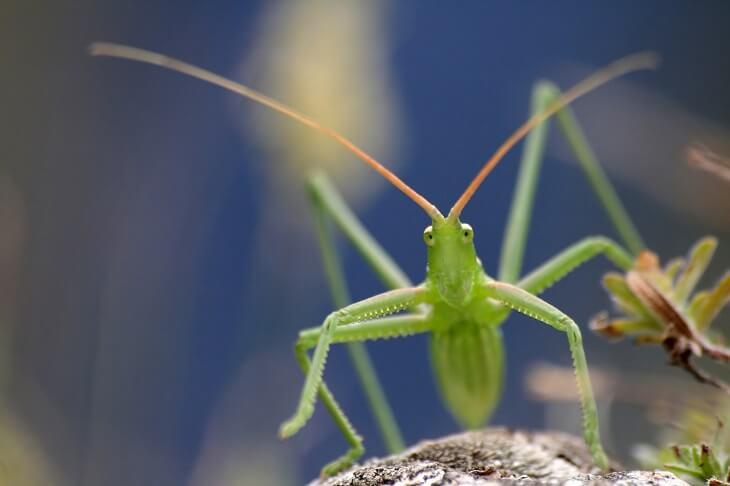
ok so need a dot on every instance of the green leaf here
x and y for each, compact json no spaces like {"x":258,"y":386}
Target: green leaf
{"x":672,"y":267}
{"x":615,"y":284}
{"x":716,"y":299}
{"x":699,"y":257}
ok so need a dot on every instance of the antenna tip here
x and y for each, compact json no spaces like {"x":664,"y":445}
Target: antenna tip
{"x":127,"y":52}
{"x":95,"y":49}
{"x":643,"y":60}
{"x":695,"y":153}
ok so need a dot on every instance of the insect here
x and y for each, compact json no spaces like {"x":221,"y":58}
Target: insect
{"x":458,"y":303}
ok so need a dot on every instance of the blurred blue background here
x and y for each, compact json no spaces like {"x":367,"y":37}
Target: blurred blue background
{"x":156,"y":263}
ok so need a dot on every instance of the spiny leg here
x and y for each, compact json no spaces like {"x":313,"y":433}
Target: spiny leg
{"x":354,"y":333}
{"x":354,"y":440}
{"x":515,"y":235}
{"x":567,"y":260}
{"x":528,"y":304}
{"x":364,"y":310}
{"x":325,"y":201}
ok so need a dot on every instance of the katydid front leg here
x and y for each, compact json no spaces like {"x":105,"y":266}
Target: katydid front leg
{"x":365,"y":310}
{"x":353,"y":334}
{"x":532,"y":306}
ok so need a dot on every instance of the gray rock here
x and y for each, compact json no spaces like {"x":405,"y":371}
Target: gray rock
{"x":493,"y":456}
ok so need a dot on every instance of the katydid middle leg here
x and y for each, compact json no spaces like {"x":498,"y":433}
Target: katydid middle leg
{"x":515,"y":235}
{"x":567,"y":260}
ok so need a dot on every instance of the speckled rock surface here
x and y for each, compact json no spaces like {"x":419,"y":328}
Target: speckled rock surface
{"x":493,"y":456}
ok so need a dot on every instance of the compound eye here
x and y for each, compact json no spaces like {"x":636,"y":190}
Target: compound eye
{"x":428,"y":236}
{"x":467,"y":234}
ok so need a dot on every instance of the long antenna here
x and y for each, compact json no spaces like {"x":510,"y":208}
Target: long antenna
{"x":635,"y":62}
{"x":141,"y":55}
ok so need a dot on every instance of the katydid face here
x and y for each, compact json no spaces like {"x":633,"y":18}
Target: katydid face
{"x":452,"y":260}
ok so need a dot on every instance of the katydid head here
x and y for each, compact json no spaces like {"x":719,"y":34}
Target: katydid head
{"x":452,"y":259}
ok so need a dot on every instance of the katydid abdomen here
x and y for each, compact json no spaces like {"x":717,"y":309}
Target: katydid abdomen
{"x":468,"y":363}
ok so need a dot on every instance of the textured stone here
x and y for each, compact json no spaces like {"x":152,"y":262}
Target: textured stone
{"x":493,"y":456}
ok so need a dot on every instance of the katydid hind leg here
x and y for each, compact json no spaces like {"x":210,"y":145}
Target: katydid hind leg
{"x":532,"y":306}
{"x":517,"y":228}
{"x":518,"y":221}
{"x":323,"y":205}
{"x":325,"y":196}
{"x":597,"y":178}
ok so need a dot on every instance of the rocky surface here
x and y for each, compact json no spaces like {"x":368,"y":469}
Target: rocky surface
{"x":493,"y":456}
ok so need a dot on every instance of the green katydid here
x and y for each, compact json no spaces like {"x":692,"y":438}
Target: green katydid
{"x":459,"y":304}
